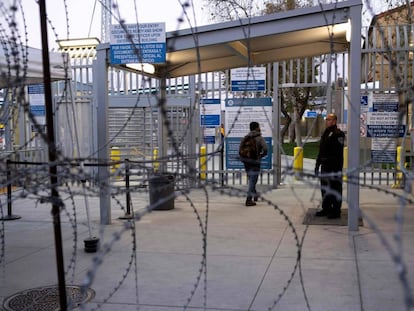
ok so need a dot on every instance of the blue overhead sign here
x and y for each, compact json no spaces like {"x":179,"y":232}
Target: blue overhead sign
{"x":248,"y":86}
{"x":36,"y":89}
{"x":38,"y":110}
{"x":248,"y":79}
{"x":152,"y":53}
{"x":311,"y":114}
{"x":138,"y":43}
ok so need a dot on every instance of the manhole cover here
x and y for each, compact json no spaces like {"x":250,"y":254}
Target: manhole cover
{"x":46,"y":298}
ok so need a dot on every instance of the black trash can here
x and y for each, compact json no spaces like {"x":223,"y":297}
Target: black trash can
{"x":161,"y":191}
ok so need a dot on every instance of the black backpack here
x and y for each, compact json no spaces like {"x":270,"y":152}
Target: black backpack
{"x":248,"y":148}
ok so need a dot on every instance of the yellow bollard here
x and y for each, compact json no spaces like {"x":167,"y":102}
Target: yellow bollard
{"x":399,"y":175}
{"x":345,"y":166}
{"x":155,"y":163}
{"x":115,"y":156}
{"x":203,"y":162}
{"x":399,"y":151}
{"x":298,"y":162}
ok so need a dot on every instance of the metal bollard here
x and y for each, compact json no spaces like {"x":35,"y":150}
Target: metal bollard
{"x":128,"y":213}
{"x":115,"y":157}
{"x":9,"y":215}
{"x":298,"y":162}
{"x":155,"y":163}
{"x":203,"y":162}
{"x":345,"y":166}
{"x":399,"y":175}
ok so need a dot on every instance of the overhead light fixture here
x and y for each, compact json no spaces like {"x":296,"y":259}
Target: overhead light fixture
{"x":342,"y":28}
{"x":144,"y":67}
{"x":348,"y":31}
{"x":79,"y":42}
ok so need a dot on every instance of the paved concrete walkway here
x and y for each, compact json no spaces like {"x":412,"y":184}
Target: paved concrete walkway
{"x":213,"y":253}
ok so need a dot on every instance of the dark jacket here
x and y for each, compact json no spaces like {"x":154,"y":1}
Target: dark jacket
{"x":261,"y":148}
{"x":331,"y":150}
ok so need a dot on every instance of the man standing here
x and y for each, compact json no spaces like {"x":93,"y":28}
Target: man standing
{"x":252,"y":149}
{"x":331,"y":160}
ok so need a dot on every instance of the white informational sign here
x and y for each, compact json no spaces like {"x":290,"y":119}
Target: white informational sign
{"x":384,"y":143}
{"x":36,"y":94}
{"x":239,"y":113}
{"x":384,"y":124}
{"x":210,"y":118}
{"x":383,"y":150}
{"x":383,"y":118}
{"x":210,"y":112}
{"x":36,"y":99}
{"x":138,"y":43}
{"x":248,"y":79}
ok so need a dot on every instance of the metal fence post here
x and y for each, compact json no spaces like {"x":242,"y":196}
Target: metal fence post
{"x":9,"y":215}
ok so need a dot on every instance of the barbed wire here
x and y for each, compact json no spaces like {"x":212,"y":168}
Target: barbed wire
{"x":32,"y":179}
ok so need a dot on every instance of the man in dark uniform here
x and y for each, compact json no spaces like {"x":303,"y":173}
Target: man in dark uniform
{"x":331,"y":159}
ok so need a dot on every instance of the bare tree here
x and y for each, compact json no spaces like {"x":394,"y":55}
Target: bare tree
{"x":294,"y":102}
{"x":227,"y":10}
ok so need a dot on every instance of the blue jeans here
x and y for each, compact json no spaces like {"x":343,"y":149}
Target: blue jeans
{"x":252,"y":178}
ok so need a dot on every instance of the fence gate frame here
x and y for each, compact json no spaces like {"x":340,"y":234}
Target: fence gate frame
{"x":207,"y":37}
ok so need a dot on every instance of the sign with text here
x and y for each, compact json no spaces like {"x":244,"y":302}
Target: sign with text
{"x":311,"y":114}
{"x":239,"y":113}
{"x":383,"y":150}
{"x":137,"y":43}
{"x":209,"y":135}
{"x":37,"y":100}
{"x":248,"y":79}
{"x":210,"y":118}
{"x":210,"y":112}
{"x":383,"y":118}
{"x":364,"y":115}
{"x":384,"y":125}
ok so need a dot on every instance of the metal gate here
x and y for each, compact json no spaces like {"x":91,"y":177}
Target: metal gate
{"x":132,"y":119}
{"x":387,"y":66}
{"x":133,"y":132}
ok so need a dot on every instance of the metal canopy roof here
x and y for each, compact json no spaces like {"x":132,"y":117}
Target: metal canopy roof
{"x":282,"y":36}
{"x":293,"y":34}
{"x":27,"y":66}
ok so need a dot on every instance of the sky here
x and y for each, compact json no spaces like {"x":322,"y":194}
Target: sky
{"x":84,"y":16}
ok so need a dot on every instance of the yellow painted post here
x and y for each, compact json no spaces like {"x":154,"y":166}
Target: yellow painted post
{"x":115,"y":156}
{"x":399,"y":174}
{"x":399,"y":150}
{"x":345,"y":166}
{"x":203,"y":162}
{"x":298,"y":162}
{"x":155,"y":163}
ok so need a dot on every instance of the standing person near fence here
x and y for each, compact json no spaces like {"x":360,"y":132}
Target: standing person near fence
{"x":252,"y":149}
{"x":331,"y":159}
